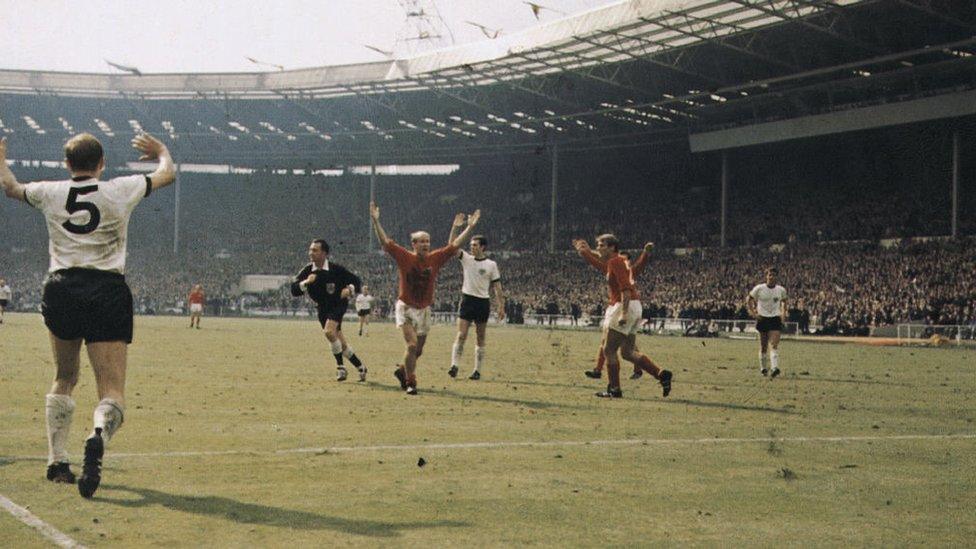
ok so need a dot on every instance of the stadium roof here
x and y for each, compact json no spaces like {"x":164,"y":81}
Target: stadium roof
{"x":647,"y":69}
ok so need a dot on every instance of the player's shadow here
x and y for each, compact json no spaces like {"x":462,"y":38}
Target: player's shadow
{"x":723,"y":405}
{"x":10,"y":460}
{"x":536,"y":404}
{"x":854,"y":381}
{"x":264,"y":515}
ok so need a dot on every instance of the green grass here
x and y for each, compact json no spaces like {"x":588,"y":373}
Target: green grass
{"x":256,"y":387}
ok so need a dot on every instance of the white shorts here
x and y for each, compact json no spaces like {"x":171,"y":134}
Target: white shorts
{"x":420,"y":318}
{"x":612,"y":316}
{"x":196,"y":307}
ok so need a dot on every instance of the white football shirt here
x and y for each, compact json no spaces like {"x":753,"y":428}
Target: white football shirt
{"x":5,"y":292}
{"x":88,"y":219}
{"x":478,"y":275}
{"x":364,"y":302}
{"x":768,"y":299}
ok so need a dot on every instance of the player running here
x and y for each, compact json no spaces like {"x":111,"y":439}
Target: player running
{"x":196,"y":300}
{"x":330,"y":286}
{"x":417,"y":276}
{"x":636,"y":268}
{"x":480,"y":275}
{"x":85,"y":296}
{"x":364,"y":306}
{"x":767,"y":303}
{"x":622,"y":317}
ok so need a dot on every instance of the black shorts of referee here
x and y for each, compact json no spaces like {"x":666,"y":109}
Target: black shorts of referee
{"x":769,"y":324}
{"x":87,"y":304}
{"x":474,"y":309}
{"x":363,"y":312}
{"x":333,"y":313}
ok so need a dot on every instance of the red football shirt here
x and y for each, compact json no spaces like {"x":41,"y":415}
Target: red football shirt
{"x":418,"y":275}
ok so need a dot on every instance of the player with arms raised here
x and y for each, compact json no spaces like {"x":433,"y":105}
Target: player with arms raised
{"x":417,"y":276}
{"x":85,"y":296}
{"x":636,"y":269}
{"x":480,"y":275}
{"x":623,"y":315}
{"x":767,"y":303}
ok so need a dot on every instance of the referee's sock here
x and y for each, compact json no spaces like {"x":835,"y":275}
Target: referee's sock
{"x":337,"y":351}
{"x":353,"y":359}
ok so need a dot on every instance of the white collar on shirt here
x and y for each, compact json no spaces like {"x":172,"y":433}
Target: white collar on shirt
{"x":325,"y":266}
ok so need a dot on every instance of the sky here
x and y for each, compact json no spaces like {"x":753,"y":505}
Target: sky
{"x":218,"y":35}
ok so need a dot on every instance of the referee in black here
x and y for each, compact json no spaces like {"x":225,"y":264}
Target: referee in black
{"x":330,"y":286}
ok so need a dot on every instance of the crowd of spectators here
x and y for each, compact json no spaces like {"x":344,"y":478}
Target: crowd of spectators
{"x":838,"y":288}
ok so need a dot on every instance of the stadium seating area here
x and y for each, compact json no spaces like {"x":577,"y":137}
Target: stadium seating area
{"x":231,"y":225}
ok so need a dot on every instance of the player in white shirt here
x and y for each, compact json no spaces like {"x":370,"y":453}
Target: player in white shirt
{"x":364,"y":306}
{"x":5,"y":295}
{"x":767,"y":302}
{"x":85,"y":296}
{"x":480,"y":276}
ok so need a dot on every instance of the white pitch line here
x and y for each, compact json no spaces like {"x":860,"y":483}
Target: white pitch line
{"x":30,"y":519}
{"x":527,"y":444}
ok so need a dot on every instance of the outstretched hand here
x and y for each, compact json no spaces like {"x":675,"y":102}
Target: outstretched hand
{"x":149,"y":146}
{"x":581,"y":245}
{"x":473,"y":218}
{"x":458,"y":220}
{"x":648,"y":247}
{"x":374,"y":211}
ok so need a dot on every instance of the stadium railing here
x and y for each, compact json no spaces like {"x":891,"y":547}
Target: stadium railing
{"x":958,"y":334}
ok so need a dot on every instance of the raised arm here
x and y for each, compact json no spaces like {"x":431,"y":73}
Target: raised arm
{"x":638,"y":267}
{"x":154,"y":149}
{"x":587,"y":253}
{"x":11,"y":187}
{"x":463,"y":238}
{"x":374,"y":216}
{"x":455,"y":227}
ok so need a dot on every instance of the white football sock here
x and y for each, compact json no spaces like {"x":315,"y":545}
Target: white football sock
{"x":456,"y":352}
{"x":774,"y":358}
{"x":59,"y":410}
{"x":762,"y":360}
{"x":479,"y":358}
{"x":108,"y":416}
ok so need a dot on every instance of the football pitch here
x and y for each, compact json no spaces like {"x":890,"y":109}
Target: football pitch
{"x":238,"y":435}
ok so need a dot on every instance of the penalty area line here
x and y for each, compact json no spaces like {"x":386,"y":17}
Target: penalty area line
{"x":531,"y":444}
{"x":30,"y":519}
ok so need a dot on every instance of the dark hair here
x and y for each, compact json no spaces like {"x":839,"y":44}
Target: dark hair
{"x":625,"y":254}
{"x":83,"y":152}
{"x":610,"y":240}
{"x":772,"y":270}
{"x":480,"y":239}
{"x":321,"y":242}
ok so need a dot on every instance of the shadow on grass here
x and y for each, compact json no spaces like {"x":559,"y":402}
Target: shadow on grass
{"x":536,"y":404}
{"x":723,"y":405}
{"x":855,"y":381}
{"x":251,"y":513}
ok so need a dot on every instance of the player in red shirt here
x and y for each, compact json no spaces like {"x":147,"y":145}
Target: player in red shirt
{"x":196,"y":300}
{"x":622,"y":317}
{"x":417,"y":275}
{"x":636,"y":268}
